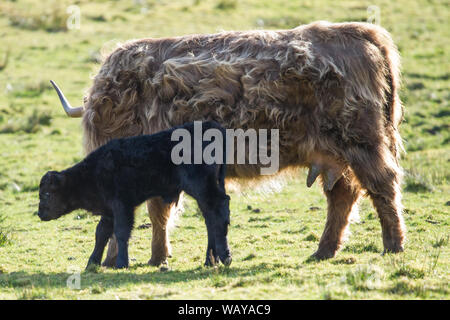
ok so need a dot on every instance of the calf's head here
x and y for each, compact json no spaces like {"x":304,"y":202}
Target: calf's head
{"x":53,"y":201}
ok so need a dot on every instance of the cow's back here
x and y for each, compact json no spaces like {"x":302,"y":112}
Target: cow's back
{"x":302,"y":81}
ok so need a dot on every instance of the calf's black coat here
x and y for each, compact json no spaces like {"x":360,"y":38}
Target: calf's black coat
{"x":122,"y":174}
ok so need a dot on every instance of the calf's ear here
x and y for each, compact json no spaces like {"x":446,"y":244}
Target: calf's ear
{"x":56,"y":179}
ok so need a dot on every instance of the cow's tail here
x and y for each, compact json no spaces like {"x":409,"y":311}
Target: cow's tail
{"x":393,"y":107}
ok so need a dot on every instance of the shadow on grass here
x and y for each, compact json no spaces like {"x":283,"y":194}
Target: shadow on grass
{"x":115,"y":279}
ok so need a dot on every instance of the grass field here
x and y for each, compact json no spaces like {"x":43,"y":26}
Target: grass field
{"x":271,"y":235}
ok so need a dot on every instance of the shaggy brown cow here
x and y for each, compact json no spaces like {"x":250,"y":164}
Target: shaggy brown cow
{"x":330,"y":89}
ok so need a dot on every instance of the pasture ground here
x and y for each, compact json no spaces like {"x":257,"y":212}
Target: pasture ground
{"x":271,"y":235}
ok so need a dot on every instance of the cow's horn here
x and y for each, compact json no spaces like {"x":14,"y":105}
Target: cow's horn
{"x":313,"y":173}
{"x":71,"y":112}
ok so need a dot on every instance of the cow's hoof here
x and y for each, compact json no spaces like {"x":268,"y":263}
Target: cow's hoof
{"x":323,"y":255}
{"x":109,"y":262}
{"x":392,"y":245}
{"x":164,"y":267}
{"x":394,"y":249}
{"x":157,"y":262}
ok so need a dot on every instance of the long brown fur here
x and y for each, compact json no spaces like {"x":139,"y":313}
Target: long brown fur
{"x":331,"y":90}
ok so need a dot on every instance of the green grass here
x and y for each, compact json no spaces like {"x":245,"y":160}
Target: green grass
{"x":271,"y":240}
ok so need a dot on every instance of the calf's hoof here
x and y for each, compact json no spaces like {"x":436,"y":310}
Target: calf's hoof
{"x":92,"y":263}
{"x":92,"y":267}
{"x":121,"y":263}
{"x":225,"y":257}
{"x":227,"y":261}
{"x":121,"y":266}
{"x":211,"y":262}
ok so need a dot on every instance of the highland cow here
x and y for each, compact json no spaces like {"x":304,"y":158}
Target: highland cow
{"x":330,"y":89}
{"x":120,"y":175}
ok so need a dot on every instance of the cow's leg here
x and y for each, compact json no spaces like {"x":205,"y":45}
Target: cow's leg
{"x":159,"y":215}
{"x":111,"y":254}
{"x":102,"y":234}
{"x":341,"y":201}
{"x":379,"y":173}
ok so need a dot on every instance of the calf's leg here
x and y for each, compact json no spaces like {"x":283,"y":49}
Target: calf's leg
{"x":211,"y":252}
{"x":159,"y":213}
{"x":217,"y":219}
{"x":103,"y":232}
{"x":223,"y":221}
{"x":123,"y":224}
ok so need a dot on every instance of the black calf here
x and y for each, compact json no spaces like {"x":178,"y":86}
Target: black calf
{"x":123,"y":173}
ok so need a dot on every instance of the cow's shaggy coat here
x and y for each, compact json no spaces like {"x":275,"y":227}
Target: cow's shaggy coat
{"x":331,"y":89}
{"x":122,"y":174}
